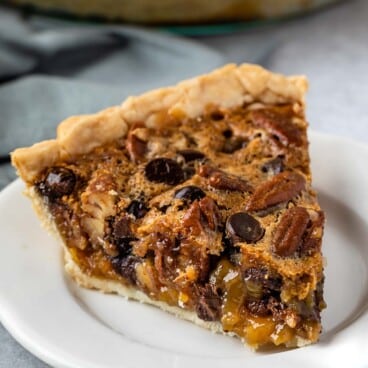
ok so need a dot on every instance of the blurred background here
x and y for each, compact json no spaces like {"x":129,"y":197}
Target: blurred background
{"x":65,"y":57}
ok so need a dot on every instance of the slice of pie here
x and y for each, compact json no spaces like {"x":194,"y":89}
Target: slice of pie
{"x":196,"y":199}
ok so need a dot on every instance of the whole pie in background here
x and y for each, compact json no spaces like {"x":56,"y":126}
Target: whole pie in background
{"x":195,"y":198}
{"x":178,"y":11}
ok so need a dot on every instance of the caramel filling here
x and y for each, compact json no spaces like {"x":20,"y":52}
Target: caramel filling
{"x":214,"y":215}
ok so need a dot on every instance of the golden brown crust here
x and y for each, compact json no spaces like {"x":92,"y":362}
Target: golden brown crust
{"x":227,"y":87}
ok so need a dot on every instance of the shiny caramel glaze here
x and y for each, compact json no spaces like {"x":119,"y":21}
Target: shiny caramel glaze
{"x":154,"y":211}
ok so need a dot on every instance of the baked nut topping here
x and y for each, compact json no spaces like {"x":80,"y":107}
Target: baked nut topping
{"x":198,"y":203}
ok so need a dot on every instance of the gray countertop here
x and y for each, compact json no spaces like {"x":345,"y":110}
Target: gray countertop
{"x":330,"y":47}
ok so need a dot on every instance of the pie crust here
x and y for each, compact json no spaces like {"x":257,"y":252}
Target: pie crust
{"x":227,"y":87}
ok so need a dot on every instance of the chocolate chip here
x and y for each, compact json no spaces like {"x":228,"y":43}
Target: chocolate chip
{"x":217,"y":116}
{"x":164,"y":170}
{"x":121,"y":228}
{"x":191,"y":155}
{"x":120,"y":234}
{"x":58,"y":181}
{"x":190,"y":193}
{"x":164,"y":208}
{"x":137,"y":208}
{"x":228,"y":133}
{"x":243,"y":227}
{"x":126,"y":267}
{"x":274,"y":166}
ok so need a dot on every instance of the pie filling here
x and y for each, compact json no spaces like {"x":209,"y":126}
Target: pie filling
{"x":214,"y":215}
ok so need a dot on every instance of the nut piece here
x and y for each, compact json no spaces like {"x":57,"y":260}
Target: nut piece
{"x":201,"y":215}
{"x":289,"y":233}
{"x":208,"y":307}
{"x":278,"y":125}
{"x":136,"y":147}
{"x":280,"y":188}
{"x":218,"y":179}
{"x":313,"y":235}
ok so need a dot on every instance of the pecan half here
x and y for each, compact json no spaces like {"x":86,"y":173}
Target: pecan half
{"x":165,"y":258}
{"x":280,"y":188}
{"x":200,"y":226}
{"x":218,"y":179}
{"x":279,"y":125}
{"x":136,"y":147}
{"x":202,"y":214}
{"x":288,"y":237}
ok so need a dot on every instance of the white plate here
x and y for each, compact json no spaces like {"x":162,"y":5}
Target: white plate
{"x":67,"y":326}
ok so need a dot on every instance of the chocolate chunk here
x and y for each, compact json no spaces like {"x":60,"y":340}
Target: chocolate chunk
{"x":274,"y":166}
{"x":137,"y":208}
{"x":208,"y":306}
{"x":123,"y":236}
{"x":242,"y":227}
{"x":126,"y":267}
{"x":190,"y":193}
{"x":263,"y":291}
{"x":260,"y":282}
{"x":120,"y":234}
{"x":121,"y":227}
{"x":58,"y":181}
{"x":191,"y":155}
{"x":164,"y":170}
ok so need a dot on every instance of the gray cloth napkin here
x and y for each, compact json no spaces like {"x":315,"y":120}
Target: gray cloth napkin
{"x":52,"y":69}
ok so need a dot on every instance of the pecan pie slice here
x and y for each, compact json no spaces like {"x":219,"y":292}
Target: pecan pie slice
{"x":195,"y":198}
